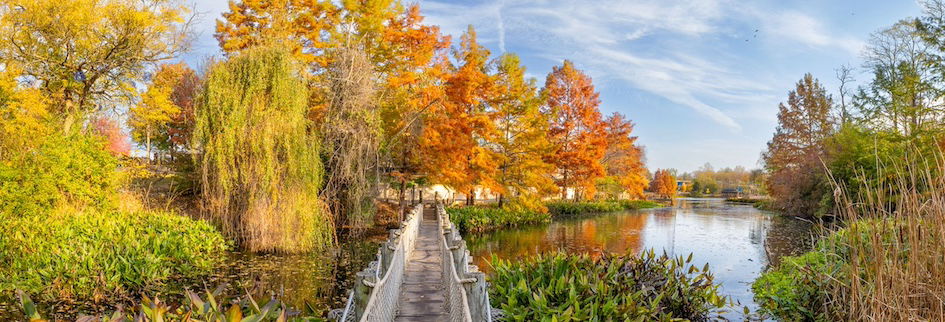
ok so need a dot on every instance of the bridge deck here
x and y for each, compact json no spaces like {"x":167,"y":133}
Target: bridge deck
{"x":422,"y":297}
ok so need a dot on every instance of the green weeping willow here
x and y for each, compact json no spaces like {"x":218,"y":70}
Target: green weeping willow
{"x":259,"y":161}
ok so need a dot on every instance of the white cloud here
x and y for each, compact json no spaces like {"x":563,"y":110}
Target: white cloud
{"x":679,"y":60}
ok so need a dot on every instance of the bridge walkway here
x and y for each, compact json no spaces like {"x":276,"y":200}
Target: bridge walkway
{"x":422,"y":296}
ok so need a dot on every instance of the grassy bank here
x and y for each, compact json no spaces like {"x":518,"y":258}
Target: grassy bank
{"x":559,"y":209}
{"x":563,"y":287}
{"x":485,"y":218}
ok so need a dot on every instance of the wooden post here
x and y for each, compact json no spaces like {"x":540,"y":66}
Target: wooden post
{"x":362,"y":292}
{"x":478,"y":293}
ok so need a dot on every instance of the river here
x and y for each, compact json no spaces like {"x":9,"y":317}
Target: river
{"x":736,"y":240}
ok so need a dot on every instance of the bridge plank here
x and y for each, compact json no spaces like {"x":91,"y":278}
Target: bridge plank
{"x":422,"y":297}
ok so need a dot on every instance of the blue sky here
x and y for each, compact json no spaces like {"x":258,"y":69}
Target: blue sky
{"x":700,"y":78}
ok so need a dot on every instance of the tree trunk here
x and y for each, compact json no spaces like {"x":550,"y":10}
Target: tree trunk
{"x":471,"y":197}
{"x":501,"y":200}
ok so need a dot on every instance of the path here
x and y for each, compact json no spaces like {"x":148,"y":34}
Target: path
{"x":422,"y":297}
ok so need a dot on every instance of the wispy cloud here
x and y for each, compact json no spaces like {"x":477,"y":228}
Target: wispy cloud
{"x":667,"y":48}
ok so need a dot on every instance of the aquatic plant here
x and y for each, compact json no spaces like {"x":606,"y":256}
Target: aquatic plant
{"x":259,"y":161}
{"x":212,"y":306}
{"x":90,"y":254}
{"x":480,"y":219}
{"x":563,"y":287}
{"x":565,"y":208}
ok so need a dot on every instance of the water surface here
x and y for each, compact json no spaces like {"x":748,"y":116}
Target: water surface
{"x":736,"y":240}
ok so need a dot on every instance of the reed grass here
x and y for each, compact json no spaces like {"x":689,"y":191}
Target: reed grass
{"x":885,"y":261}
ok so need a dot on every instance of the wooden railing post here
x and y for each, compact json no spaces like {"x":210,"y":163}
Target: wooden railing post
{"x":363,"y":285}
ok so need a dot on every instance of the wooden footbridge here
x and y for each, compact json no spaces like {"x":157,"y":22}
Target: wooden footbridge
{"x":422,"y":273}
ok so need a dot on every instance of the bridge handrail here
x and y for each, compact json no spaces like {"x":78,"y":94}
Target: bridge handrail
{"x":468,"y":294}
{"x":377,"y":288}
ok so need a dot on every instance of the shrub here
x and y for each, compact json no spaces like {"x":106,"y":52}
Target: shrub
{"x":66,"y":169}
{"x":794,"y":291}
{"x":480,"y":219}
{"x":565,"y":287}
{"x":90,"y":254}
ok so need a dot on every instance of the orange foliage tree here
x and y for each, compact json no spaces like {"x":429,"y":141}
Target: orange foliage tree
{"x":623,"y":158}
{"x":302,"y":25}
{"x":576,"y":129}
{"x":453,"y":154}
{"x":663,"y":184}
{"x":521,"y":142}
{"x":794,"y":154}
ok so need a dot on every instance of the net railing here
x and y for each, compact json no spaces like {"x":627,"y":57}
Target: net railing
{"x":377,"y":288}
{"x":467,"y":292}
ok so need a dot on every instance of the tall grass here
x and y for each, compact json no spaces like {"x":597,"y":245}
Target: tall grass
{"x":886,"y":261}
{"x":259,"y":161}
{"x":894,"y":250}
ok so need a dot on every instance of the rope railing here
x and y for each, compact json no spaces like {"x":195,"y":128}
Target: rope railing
{"x":376,"y":292}
{"x":468,"y":293}
{"x":377,"y":288}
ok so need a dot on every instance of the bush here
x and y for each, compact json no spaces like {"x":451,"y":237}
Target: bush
{"x":90,"y":254}
{"x":577,"y":288}
{"x":74,"y":169}
{"x":794,"y":291}
{"x":480,"y":219}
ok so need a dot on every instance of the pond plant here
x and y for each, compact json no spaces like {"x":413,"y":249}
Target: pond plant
{"x":567,"y":287}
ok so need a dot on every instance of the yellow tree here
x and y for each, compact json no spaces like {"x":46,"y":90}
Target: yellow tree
{"x":159,"y":106}
{"x":576,"y":130}
{"x":303,"y":26}
{"x":521,"y":142}
{"x":24,"y":115}
{"x":623,"y":159}
{"x":90,"y":52}
{"x":453,"y":154}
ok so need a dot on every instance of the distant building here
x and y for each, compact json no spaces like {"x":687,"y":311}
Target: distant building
{"x":732,"y":192}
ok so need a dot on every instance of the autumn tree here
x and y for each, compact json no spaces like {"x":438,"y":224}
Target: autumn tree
{"x":452,"y":151}
{"x":521,"y":142}
{"x":663,"y":184}
{"x":304,"y":26}
{"x":576,"y":129}
{"x":89,"y":53}
{"x":159,"y":114}
{"x":623,"y":159}
{"x":794,"y":155}
{"x":116,"y":141}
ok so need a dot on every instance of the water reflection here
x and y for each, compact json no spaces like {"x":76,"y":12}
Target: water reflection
{"x":737,"y":241}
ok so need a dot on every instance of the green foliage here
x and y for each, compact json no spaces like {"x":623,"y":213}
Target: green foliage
{"x":260,"y":165}
{"x":796,"y":289}
{"x":566,"y":209}
{"x":66,"y":169}
{"x":799,"y":288}
{"x":562,"y":287}
{"x":213,"y":306}
{"x":480,"y":219}
{"x":89,"y":254}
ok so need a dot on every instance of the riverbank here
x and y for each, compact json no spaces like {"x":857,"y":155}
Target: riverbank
{"x":478,"y":219}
